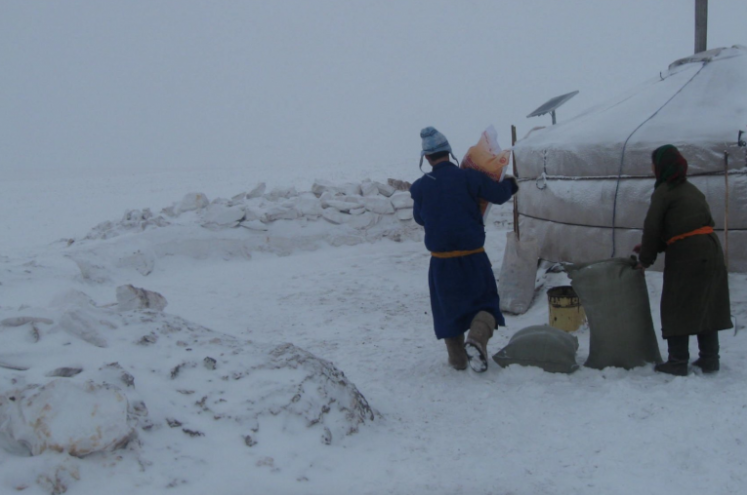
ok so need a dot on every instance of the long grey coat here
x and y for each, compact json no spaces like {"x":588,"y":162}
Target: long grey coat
{"x":695,"y":296}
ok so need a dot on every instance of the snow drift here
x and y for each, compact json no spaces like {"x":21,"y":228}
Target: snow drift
{"x":80,"y":379}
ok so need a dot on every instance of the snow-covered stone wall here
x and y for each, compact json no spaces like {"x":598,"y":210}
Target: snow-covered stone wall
{"x":280,"y":221}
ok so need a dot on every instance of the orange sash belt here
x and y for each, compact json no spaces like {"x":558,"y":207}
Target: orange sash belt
{"x":457,"y":254}
{"x":700,"y":231}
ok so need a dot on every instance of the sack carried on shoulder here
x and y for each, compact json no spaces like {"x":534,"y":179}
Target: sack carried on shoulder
{"x":487,"y":157}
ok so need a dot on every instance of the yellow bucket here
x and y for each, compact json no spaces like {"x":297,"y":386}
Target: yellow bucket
{"x":566,"y":312}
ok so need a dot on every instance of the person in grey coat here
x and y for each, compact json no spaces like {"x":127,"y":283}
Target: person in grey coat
{"x":695,"y":295}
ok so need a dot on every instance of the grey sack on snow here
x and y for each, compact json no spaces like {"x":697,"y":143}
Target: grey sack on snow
{"x":543,"y":346}
{"x":615,"y":298}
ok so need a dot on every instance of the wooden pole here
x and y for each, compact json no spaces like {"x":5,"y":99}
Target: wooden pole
{"x":701,"y":25}
{"x":516,"y":175}
{"x":726,"y":209}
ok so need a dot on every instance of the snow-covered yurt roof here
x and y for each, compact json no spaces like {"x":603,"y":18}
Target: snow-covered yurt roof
{"x":586,"y":182}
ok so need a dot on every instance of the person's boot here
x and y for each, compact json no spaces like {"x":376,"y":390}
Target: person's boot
{"x":476,"y":345}
{"x":708,"y":347}
{"x":457,"y":356}
{"x":679,"y":355}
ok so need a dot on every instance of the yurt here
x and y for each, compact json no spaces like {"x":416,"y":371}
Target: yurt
{"x":586,"y":182}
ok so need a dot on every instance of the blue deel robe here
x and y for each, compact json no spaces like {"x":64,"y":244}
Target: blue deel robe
{"x":446,"y":204}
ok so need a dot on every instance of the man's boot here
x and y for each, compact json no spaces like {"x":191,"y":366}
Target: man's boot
{"x":457,"y":356}
{"x":709,"y":358}
{"x":679,"y":355}
{"x":476,"y":345}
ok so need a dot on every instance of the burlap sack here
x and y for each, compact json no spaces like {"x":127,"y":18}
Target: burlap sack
{"x":615,"y":298}
{"x":543,"y":346}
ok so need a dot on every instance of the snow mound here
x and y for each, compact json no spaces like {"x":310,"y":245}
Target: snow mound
{"x":97,"y":377}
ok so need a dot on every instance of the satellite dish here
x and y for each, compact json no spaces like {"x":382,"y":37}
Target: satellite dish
{"x":551,"y":105}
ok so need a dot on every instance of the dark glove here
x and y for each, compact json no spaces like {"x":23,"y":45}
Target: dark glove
{"x":514,"y":185}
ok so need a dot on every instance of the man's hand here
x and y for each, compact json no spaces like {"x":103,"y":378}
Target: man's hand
{"x":637,"y":249}
{"x":514,"y":184}
{"x":640,"y":267}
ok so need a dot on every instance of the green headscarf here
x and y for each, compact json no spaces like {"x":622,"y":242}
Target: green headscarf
{"x":669,"y":166}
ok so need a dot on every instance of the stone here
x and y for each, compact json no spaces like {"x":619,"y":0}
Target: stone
{"x":320,"y":187}
{"x":368,"y":188}
{"x":64,"y":372}
{"x":382,"y":206}
{"x":132,"y":298}
{"x":169,"y":211}
{"x":66,"y":417}
{"x":309,"y":207}
{"x":136,"y":219}
{"x":343,"y":206}
{"x":258,"y":191}
{"x":148,"y":339}
{"x":239,"y":198}
{"x":281,"y":193}
{"x":404,"y":214}
{"x":364,"y":220}
{"x":326,"y":436}
{"x":351,"y":189}
{"x":193,"y":201}
{"x":333,"y":216}
{"x":399,"y":185}
{"x":114,"y":372}
{"x":402,"y":200}
{"x":385,"y":189}
{"x":281,"y":212}
{"x":223,"y":216}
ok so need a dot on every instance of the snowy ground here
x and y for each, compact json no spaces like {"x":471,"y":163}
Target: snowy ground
{"x":364,"y":308}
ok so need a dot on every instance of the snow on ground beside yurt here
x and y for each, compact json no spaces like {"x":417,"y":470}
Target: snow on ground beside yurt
{"x":295,"y":354}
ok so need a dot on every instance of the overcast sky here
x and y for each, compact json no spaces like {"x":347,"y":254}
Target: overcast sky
{"x":292,"y":84}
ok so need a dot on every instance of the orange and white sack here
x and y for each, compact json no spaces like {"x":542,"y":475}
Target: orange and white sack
{"x":487,"y":157}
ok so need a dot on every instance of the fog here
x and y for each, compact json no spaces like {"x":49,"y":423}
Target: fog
{"x":287,"y":85}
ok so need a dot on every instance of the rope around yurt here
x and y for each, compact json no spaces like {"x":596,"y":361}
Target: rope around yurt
{"x":625,"y":145}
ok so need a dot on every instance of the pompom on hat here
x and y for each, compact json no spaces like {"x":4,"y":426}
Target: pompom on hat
{"x":433,"y":141}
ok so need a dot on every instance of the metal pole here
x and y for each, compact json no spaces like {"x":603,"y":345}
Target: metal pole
{"x":516,"y":199}
{"x":701,"y":25}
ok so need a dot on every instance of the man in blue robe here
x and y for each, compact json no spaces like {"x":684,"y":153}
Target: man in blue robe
{"x":463,"y":291}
